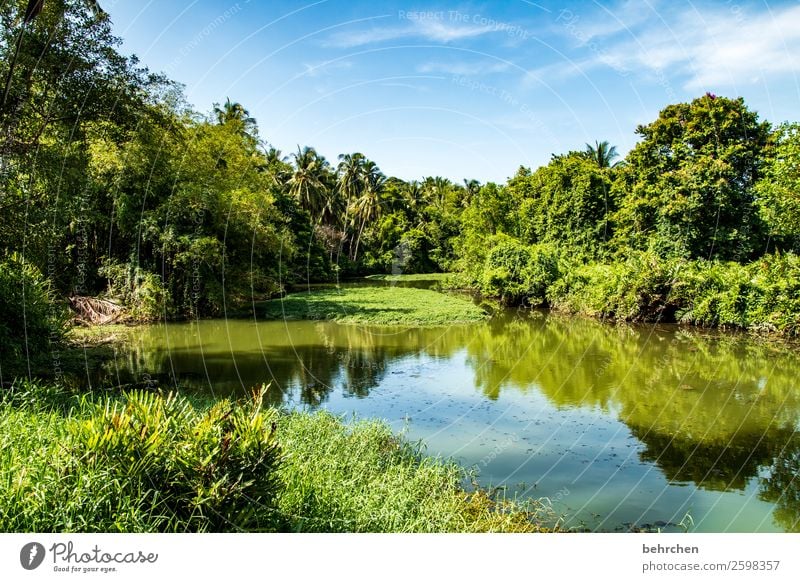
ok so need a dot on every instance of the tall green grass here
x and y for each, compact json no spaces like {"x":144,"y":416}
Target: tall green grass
{"x":144,"y":462}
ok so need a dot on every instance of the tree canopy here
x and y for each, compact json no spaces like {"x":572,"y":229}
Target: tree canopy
{"x":112,"y":184}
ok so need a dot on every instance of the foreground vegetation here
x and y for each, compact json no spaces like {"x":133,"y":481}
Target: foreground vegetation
{"x":143,"y":462}
{"x":374,"y":306}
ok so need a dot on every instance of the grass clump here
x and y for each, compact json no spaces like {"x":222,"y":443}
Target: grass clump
{"x":145,"y":462}
{"x":363,"y":478}
{"x":374,"y":306}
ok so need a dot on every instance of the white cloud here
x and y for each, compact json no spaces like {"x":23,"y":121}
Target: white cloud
{"x":607,"y":21}
{"x":326,"y":68}
{"x":464,"y":68}
{"x":426,"y":29}
{"x":706,"y":47}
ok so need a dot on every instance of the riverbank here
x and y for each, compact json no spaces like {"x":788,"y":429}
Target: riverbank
{"x":762,"y":296}
{"x":144,"y":462}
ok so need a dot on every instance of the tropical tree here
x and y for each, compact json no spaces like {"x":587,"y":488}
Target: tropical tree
{"x":350,"y":184}
{"x":235,"y":113}
{"x":32,"y":10}
{"x":688,"y":187}
{"x":779,"y":189}
{"x":64,"y":82}
{"x":307,"y":184}
{"x":351,"y":174}
{"x":437,"y":190}
{"x":471,"y":189}
{"x":415,"y":198}
{"x":564,"y":202}
{"x":602,"y":154}
{"x":280,"y":170}
{"x":367,"y":207}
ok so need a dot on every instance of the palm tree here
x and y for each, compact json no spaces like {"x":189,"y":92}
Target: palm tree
{"x":436,"y":190}
{"x":373,"y":177}
{"x":394,"y":194}
{"x":415,"y":196}
{"x":232,"y":112}
{"x":602,"y":154}
{"x":367,"y":207}
{"x":351,"y":177}
{"x":471,"y":189}
{"x":275,"y":157}
{"x":279,"y":169}
{"x":307,"y":184}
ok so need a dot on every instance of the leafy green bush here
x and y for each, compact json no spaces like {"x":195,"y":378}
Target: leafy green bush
{"x":711,"y":293}
{"x":586,"y":289}
{"x":141,"y":291}
{"x":778,"y":278}
{"x":515,"y":272}
{"x":644,"y":292}
{"x":762,"y":294}
{"x":30,"y":317}
{"x":213,"y":470}
{"x":637,"y":290}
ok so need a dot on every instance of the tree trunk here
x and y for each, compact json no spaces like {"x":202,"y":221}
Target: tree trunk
{"x":358,"y":239}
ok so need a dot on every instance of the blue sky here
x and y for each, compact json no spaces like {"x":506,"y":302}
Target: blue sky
{"x":465,"y":90}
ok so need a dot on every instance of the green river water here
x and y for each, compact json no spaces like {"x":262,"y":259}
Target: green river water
{"x":618,"y":427}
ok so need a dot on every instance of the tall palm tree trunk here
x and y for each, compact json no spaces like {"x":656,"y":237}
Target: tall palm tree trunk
{"x":358,"y":239}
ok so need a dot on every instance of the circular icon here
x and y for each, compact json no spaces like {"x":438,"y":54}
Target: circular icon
{"x":31,"y":555}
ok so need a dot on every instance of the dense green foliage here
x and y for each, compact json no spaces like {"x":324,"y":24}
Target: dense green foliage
{"x":120,"y":189}
{"x":516,"y":272}
{"x":30,"y":317}
{"x":142,"y":462}
{"x":687,"y":188}
{"x":696,"y":225}
{"x":779,"y":191}
{"x":762,"y":295}
{"x":567,"y":202}
{"x":114,"y":186}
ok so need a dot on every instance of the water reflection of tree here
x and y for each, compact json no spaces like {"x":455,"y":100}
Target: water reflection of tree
{"x":653,"y":379}
{"x":782,"y":485}
{"x":712,"y":410}
{"x":716,"y":466}
{"x":306,"y":363}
